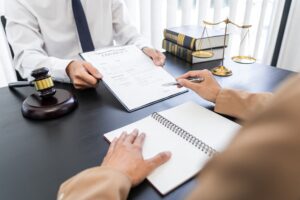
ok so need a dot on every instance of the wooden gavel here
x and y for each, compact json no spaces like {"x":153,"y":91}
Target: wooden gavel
{"x":47,"y":102}
{"x":43,"y":83}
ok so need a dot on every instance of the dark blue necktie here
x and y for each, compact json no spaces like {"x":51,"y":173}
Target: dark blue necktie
{"x":82,"y":27}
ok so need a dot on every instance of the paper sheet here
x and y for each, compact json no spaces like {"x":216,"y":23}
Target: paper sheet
{"x":132,"y":76}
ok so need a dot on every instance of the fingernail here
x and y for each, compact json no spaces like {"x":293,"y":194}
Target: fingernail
{"x":168,"y":153}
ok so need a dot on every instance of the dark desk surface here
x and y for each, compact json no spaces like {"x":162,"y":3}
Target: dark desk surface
{"x":37,"y":156}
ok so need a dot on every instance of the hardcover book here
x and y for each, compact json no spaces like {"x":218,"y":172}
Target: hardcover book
{"x":191,"y":38}
{"x":187,"y":54}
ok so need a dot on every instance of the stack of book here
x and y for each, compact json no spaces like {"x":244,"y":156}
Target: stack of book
{"x":185,"y":40}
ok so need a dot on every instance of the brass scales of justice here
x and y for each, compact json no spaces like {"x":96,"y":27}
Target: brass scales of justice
{"x":242,"y":59}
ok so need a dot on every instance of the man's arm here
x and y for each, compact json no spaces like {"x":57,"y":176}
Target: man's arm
{"x":241,"y":104}
{"x":263,"y":160}
{"x":122,"y":168}
{"x":24,"y":35}
{"x":238,"y":104}
{"x":96,"y":183}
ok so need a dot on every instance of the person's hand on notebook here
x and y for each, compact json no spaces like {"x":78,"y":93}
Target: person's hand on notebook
{"x":157,"y":57}
{"x":83,"y":75}
{"x":207,"y":89}
{"x":125,"y":155}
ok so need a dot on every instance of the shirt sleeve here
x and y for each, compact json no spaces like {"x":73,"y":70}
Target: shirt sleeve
{"x":262,"y":162}
{"x":96,"y":183}
{"x":124,"y":31}
{"x":240,"y":104}
{"x":24,"y":36}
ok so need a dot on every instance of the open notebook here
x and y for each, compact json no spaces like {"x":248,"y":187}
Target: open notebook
{"x":132,"y":76}
{"x":192,"y":133}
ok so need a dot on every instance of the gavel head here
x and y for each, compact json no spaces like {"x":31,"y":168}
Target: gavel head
{"x":43,"y":82}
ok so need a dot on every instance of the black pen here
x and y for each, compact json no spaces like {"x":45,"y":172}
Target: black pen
{"x":192,"y":79}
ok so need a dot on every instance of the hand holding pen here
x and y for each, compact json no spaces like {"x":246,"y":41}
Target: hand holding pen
{"x":191,"y":79}
{"x":208,"y":88}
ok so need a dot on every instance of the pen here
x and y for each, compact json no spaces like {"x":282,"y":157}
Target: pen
{"x":192,"y":79}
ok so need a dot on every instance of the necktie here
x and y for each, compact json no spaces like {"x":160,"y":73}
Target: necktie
{"x":82,"y":27}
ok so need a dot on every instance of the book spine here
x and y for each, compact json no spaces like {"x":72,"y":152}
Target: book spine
{"x":178,"y":51}
{"x":180,"y":39}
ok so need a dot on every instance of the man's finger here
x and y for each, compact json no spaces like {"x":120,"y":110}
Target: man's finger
{"x":93,"y":71}
{"x":186,"y":75}
{"x":188,"y":84}
{"x":89,"y":79}
{"x":158,"y":160}
{"x":160,"y":59}
{"x":122,"y":137}
{"x":158,"y":63}
{"x":131,"y":138}
{"x":112,"y":146}
{"x":150,"y":52}
{"x":80,"y":84}
{"x":155,"y":56}
{"x":198,"y":73}
{"x":139,"y":141}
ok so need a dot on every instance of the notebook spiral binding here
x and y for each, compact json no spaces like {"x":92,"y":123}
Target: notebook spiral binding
{"x":199,"y":144}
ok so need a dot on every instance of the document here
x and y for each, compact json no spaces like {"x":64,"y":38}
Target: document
{"x":132,"y":76}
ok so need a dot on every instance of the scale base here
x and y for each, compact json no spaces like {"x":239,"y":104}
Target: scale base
{"x":62,"y":103}
{"x":221,"y":71}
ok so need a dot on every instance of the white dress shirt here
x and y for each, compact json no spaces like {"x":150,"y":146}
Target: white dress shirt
{"x":43,"y":33}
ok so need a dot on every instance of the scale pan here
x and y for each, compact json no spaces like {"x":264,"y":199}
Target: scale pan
{"x":244,"y":59}
{"x":203,"y":54}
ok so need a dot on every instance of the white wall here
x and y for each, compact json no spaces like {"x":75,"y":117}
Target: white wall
{"x":1,"y":7}
{"x":290,"y":50}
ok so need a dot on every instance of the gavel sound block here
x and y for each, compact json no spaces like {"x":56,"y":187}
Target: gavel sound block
{"x":47,"y":102}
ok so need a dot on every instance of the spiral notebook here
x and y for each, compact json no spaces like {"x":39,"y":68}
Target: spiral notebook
{"x":192,"y":133}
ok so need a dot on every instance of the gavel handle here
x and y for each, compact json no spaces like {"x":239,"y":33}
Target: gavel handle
{"x":20,"y":84}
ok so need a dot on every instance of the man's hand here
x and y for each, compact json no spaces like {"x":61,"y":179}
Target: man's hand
{"x":83,"y":75}
{"x":208,"y":89}
{"x":125,"y":155}
{"x":157,"y":57}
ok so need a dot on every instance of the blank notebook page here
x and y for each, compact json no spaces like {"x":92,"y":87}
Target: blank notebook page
{"x":186,"y":160}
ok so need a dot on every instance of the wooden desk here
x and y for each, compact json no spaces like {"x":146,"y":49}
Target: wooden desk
{"x":37,"y":156}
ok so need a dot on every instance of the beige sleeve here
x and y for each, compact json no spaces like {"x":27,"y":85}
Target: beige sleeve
{"x":263,"y":161}
{"x":241,"y":104}
{"x":96,"y":183}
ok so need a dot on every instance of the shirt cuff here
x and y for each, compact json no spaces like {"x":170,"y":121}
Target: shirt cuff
{"x":142,"y":42}
{"x":58,"y":70}
{"x":96,"y":183}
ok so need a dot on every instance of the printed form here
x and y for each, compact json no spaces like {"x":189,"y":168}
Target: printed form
{"x":132,"y":76}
